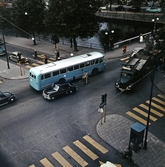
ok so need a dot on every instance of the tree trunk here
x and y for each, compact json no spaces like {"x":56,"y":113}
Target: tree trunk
{"x":75,"y":44}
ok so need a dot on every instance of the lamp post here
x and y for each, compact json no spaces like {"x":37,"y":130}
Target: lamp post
{"x":154,"y":20}
{"x":7,"y":59}
{"x":33,"y":37}
{"x":148,"y":118}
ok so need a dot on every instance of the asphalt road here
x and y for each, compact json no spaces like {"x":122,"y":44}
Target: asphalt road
{"x":34,"y":128}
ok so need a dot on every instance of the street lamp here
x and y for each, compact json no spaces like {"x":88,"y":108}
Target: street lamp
{"x":7,"y":59}
{"x":33,"y":37}
{"x":148,"y":118}
{"x":154,"y":20}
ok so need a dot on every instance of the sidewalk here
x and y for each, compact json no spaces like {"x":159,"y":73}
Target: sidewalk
{"x":116,"y":130}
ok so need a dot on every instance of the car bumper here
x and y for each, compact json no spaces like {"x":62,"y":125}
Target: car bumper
{"x":46,"y":96}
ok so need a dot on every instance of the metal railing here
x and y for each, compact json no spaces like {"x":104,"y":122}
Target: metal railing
{"x":134,"y":16}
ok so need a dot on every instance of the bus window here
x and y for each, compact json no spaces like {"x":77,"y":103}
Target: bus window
{"x":92,"y":62}
{"x":82,"y":65}
{"x":63,"y":71}
{"x":55,"y":73}
{"x":70,"y":69}
{"x":76,"y":67}
{"x":101,"y":60}
{"x":97,"y":61}
{"x":45,"y":76}
{"x":87,"y":63}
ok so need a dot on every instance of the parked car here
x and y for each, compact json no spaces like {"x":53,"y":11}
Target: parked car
{"x":59,"y":89}
{"x":120,"y":8}
{"x":6,"y":97}
{"x":154,"y":9}
{"x":2,"y":51}
{"x":16,"y":56}
{"x":134,"y":9}
{"x":137,"y":50}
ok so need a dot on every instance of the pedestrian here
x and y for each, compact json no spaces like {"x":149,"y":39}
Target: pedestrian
{"x":141,"y":38}
{"x":85,"y":77}
{"x":57,"y":54}
{"x":35,"y":54}
{"x":124,"y":48}
{"x":45,"y":59}
{"x":71,"y":42}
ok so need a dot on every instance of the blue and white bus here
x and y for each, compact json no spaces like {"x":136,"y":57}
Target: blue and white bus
{"x":69,"y":69}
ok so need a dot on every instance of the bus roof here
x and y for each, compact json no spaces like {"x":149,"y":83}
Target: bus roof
{"x":53,"y":66}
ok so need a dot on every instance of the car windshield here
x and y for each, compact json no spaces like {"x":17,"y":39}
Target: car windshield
{"x":56,"y":88}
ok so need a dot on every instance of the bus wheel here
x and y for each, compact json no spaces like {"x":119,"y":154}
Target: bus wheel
{"x":62,"y":80}
{"x":95,"y":71}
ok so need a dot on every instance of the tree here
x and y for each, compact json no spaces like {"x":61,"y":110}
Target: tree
{"x":72,"y":18}
{"x":29,"y":15}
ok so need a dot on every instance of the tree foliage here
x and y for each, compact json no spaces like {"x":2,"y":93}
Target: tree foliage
{"x":29,"y":15}
{"x":73,"y":18}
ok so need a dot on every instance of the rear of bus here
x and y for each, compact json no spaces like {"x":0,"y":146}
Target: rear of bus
{"x":34,"y":78}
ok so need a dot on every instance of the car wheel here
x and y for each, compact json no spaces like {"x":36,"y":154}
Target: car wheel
{"x":52,"y":98}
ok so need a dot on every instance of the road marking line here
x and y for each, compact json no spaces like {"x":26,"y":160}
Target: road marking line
{"x":29,"y":67}
{"x":144,"y":114}
{"x":40,"y":62}
{"x":87,"y":151}
{"x":158,"y":100}
{"x":163,"y":97}
{"x":125,"y":58}
{"x":155,"y":105}
{"x":152,"y":110}
{"x":75,"y":156}
{"x":32,"y":165}
{"x":137,"y":118}
{"x":46,"y":163}
{"x":51,"y":58}
{"x":34,"y":64}
{"x":95,"y":144}
{"x":61,"y":159}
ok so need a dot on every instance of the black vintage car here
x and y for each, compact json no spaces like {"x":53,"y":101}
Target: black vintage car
{"x":6,"y":97}
{"x":59,"y":89}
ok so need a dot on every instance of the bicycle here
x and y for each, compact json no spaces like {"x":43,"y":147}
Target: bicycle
{"x":83,"y":80}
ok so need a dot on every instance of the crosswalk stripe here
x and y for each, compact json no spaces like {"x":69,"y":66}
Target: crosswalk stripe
{"x":95,"y":144}
{"x":155,"y":105}
{"x":41,"y":56}
{"x":29,"y":67}
{"x":152,"y":110}
{"x":125,"y":58}
{"x":34,"y":64}
{"x":75,"y":156}
{"x":49,"y":61}
{"x":87,"y":151}
{"x":163,"y":97}
{"x":61,"y":159}
{"x":51,"y":58}
{"x":32,"y":165}
{"x":40,"y":62}
{"x":137,"y":117}
{"x":46,"y":163}
{"x":158,"y":100}
{"x":144,"y":114}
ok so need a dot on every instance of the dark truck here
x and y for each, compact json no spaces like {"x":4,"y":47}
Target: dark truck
{"x":136,"y":67}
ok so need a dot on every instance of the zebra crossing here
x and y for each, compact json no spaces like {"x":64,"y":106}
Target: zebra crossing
{"x":157,"y":110}
{"x":39,"y":62}
{"x":58,"y":157}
